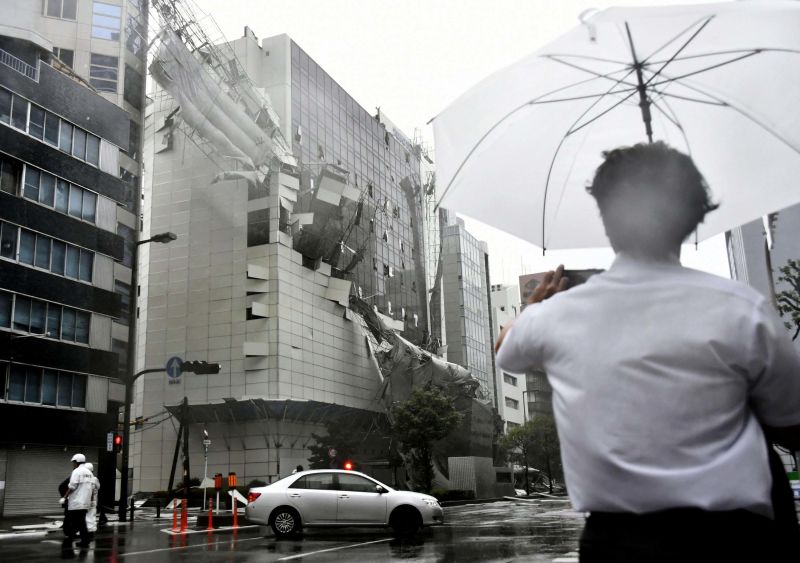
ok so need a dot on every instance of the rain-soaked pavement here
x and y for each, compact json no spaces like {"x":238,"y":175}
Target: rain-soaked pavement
{"x":537,"y":530}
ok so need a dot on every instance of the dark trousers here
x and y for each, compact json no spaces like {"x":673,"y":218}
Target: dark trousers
{"x":76,"y":524}
{"x":682,"y":535}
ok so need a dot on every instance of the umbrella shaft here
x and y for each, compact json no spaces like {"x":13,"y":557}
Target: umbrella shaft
{"x":644,"y":103}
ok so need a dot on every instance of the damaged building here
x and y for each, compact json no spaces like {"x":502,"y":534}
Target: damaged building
{"x":300,"y":264}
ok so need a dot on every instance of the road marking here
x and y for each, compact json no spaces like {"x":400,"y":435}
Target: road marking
{"x":310,"y":553}
{"x":184,"y":547}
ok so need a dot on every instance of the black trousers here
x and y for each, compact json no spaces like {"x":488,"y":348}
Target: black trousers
{"x":683,"y":535}
{"x":76,"y":524}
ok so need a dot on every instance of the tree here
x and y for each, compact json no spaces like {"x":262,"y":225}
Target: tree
{"x":789,"y":299}
{"x":546,"y":451}
{"x":520,"y":441}
{"x":536,"y":443}
{"x":339,"y":437}
{"x":428,"y":415}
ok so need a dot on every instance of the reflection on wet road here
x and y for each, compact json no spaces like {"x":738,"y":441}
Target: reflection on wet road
{"x":545,"y":530}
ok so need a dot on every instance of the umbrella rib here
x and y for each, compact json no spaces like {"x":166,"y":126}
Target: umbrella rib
{"x":744,"y":114}
{"x":665,"y":94}
{"x":586,"y":97}
{"x":702,"y":70}
{"x":731,"y":52}
{"x":672,"y":117}
{"x":680,"y":49}
{"x":594,"y":73}
{"x":676,"y":37}
{"x":586,"y":57}
{"x":598,"y":116}
{"x":502,"y":119}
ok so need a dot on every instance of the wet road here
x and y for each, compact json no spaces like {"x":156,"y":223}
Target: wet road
{"x":504,"y":531}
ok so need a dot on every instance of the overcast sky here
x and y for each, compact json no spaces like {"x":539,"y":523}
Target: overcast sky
{"x":413,"y":57}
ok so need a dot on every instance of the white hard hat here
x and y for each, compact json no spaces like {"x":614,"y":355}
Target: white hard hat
{"x":89,"y":466}
{"x":79,"y":458}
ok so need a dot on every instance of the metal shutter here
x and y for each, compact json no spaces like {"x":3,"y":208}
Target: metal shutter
{"x":32,"y":479}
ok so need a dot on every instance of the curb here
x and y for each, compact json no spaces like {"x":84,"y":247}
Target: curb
{"x":472,"y":501}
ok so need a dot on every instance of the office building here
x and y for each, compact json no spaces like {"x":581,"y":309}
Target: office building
{"x":63,"y":258}
{"x":511,"y":386}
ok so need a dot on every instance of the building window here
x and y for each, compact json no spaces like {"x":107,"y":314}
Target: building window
{"x":10,"y":174}
{"x":135,"y":35}
{"x":66,"y":56}
{"x":106,"y":21}
{"x":510,"y":379}
{"x":47,"y":253}
{"x":258,"y":227}
{"x":19,"y":113}
{"x":128,"y":234}
{"x":59,"y":194}
{"x":124,"y":291}
{"x":103,"y":72}
{"x":28,"y":384}
{"x":512,"y":403}
{"x":133,"y":88}
{"x":64,"y":9}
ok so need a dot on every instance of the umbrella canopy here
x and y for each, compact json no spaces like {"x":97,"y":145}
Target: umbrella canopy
{"x":720,"y":82}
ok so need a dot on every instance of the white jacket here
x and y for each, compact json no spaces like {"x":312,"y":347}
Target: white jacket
{"x":81,"y":483}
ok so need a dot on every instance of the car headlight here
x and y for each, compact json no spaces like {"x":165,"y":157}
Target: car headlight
{"x":430,"y":501}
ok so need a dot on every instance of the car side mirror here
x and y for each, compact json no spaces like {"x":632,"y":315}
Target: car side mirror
{"x":380,"y":490}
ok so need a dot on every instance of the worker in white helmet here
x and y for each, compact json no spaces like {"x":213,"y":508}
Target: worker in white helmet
{"x":78,"y":499}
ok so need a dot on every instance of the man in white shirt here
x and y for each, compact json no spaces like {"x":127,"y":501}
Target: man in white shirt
{"x":665,"y":380}
{"x":78,"y":499}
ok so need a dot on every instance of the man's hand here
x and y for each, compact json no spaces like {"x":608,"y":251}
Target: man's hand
{"x":552,"y":283}
{"x":61,"y":501}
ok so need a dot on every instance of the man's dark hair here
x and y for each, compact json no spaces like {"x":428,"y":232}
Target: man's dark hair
{"x":659,"y":175}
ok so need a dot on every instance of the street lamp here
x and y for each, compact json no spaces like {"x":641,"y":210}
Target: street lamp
{"x":130,"y":376}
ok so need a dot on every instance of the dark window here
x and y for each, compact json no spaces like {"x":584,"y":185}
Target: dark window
{"x":8,"y":241}
{"x":86,"y":266}
{"x":128,"y":234}
{"x":49,"y":387}
{"x":5,"y":309}
{"x":120,"y":348}
{"x":75,"y":201}
{"x":89,"y":207}
{"x":92,"y":149}
{"x":33,"y":385}
{"x":22,"y":313}
{"x":10,"y":173}
{"x":47,"y":188}
{"x":82,"y":320}
{"x":103,"y":72}
{"x":79,"y":143}
{"x":73,"y":261}
{"x":58,"y":258}
{"x":78,"y":390}
{"x":124,"y":290}
{"x":64,"y":389}
{"x":67,"y":56}
{"x":65,"y":137}
{"x":16,"y":384}
{"x":36,"y":122}
{"x":27,"y":245}
{"x":19,"y":113}
{"x":132,"y":92}
{"x":5,"y":106}
{"x":32,"y":179}
{"x":38,"y":315}
{"x":135,"y":35}
{"x":68,"y":324}
{"x":62,"y":196}
{"x":134,"y":138}
{"x":42,"y":259}
{"x":54,"y":321}
{"x":258,"y":227}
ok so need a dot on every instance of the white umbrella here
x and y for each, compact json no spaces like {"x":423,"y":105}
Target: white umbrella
{"x":718,"y":81}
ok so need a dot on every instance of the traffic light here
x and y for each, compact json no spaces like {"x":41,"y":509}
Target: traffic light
{"x":348,"y":465}
{"x":201,"y":367}
{"x":117,"y":443}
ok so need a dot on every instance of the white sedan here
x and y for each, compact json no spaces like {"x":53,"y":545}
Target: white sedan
{"x":332,"y":497}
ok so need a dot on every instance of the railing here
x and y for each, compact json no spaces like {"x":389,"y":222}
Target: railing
{"x":19,"y":65}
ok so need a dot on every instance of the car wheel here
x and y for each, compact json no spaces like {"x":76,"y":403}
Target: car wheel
{"x":285,"y":521}
{"x":405,"y":521}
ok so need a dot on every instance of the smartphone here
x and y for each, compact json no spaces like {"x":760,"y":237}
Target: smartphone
{"x":577,"y":277}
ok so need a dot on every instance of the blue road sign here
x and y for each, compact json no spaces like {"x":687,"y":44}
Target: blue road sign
{"x":174,"y":367}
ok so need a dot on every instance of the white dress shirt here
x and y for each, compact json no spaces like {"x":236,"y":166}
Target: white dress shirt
{"x":660,"y":376}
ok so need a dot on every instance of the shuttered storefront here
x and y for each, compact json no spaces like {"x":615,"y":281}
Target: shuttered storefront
{"x":33,"y":476}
